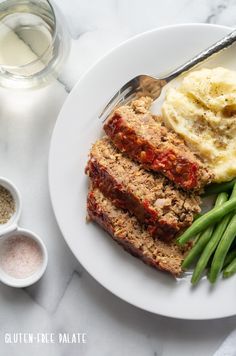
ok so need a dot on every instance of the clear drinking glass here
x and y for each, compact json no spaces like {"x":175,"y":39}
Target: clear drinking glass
{"x":34,"y":43}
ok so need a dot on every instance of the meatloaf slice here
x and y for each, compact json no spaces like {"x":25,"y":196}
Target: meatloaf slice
{"x":143,"y":136}
{"x":134,"y":238}
{"x":152,"y":198}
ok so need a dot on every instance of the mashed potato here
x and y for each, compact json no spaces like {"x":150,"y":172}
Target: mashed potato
{"x":203,"y":111}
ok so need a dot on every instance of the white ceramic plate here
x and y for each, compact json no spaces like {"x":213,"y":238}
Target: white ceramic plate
{"x":77,"y":127}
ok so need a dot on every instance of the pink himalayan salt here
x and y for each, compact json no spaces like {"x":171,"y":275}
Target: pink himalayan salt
{"x":20,"y":256}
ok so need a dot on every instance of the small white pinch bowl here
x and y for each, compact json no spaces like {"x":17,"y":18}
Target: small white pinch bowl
{"x":13,"y":221}
{"x":11,"y":229}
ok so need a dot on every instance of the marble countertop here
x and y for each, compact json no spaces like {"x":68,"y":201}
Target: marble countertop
{"x":67,"y":299}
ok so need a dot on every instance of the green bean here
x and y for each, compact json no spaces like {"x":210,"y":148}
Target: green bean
{"x":218,"y":188}
{"x":197,"y":248}
{"x":229,"y":258}
{"x":230,"y":269}
{"x":212,"y":244}
{"x":206,"y":220}
{"x":222,"y":249}
{"x":204,"y":237}
{"x":210,"y":248}
{"x":216,"y":266}
{"x":209,"y":262}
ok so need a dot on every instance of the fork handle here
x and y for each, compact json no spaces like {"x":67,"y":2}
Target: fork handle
{"x":225,"y":42}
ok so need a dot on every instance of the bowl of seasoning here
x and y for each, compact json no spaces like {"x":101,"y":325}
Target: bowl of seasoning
{"x":23,"y":255}
{"x":10,"y":205}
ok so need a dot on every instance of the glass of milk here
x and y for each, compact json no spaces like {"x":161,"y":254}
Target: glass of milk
{"x":33,"y":43}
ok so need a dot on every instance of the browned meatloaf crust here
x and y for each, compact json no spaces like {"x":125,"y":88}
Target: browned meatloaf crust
{"x":143,"y":136}
{"x":132,"y":236}
{"x":152,"y":198}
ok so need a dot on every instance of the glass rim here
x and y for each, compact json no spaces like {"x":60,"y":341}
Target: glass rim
{"x":5,"y":67}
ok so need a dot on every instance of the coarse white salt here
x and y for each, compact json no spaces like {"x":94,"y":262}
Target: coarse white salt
{"x":20,"y":256}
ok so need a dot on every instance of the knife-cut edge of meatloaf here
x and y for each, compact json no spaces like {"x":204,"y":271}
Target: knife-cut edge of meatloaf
{"x":134,"y":238}
{"x":143,"y":136}
{"x":152,"y":198}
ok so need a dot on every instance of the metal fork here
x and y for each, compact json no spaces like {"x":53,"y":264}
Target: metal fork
{"x":145,"y":85}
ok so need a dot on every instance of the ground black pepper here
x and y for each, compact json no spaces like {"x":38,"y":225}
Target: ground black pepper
{"x":7,"y":205}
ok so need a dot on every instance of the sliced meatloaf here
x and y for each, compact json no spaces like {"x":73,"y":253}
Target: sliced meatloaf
{"x":134,"y":238}
{"x":143,"y":136}
{"x":152,"y":198}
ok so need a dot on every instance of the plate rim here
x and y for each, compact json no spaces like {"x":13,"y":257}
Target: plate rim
{"x":50,"y":158}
